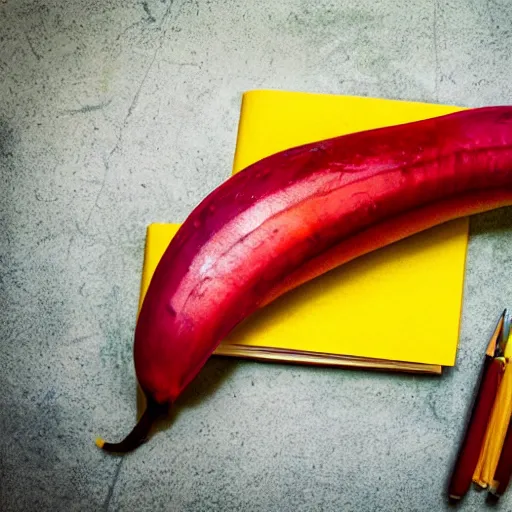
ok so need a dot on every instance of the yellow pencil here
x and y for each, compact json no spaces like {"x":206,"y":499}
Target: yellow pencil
{"x":499,"y":425}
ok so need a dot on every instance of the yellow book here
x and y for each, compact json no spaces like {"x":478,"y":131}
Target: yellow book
{"x":395,"y":308}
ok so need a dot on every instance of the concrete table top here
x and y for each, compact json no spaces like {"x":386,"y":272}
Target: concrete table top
{"x":117,"y":114}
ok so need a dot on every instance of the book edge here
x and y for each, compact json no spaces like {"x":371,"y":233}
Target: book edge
{"x":322,"y":359}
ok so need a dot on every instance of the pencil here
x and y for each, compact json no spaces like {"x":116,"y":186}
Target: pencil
{"x":501,"y":455}
{"x":501,"y":415}
{"x":504,"y":468}
{"x":478,"y":476}
{"x":471,"y":447}
{"x":472,"y":443}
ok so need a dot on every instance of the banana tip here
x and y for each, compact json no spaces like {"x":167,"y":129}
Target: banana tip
{"x":99,"y":442}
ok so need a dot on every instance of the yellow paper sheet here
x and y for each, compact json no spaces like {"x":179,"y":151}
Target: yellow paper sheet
{"x":399,"y":303}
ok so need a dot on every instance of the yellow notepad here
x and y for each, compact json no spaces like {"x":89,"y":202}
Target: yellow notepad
{"x":398,"y":307}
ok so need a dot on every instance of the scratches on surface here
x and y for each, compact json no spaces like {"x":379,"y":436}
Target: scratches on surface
{"x":131,"y":108}
{"x":81,"y":339}
{"x":110,"y":492}
{"x":432,"y":405}
{"x":150,"y":18}
{"x":181,"y":65}
{"x":127,"y":29}
{"x":31,"y":46}
{"x":72,"y":240}
{"x":135,"y":99}
{"x":100,"y":191}
{"x":70,"y":245}
{"x":38,"y":196}
{"x":86,"y":109}
{"x":423,"y":448}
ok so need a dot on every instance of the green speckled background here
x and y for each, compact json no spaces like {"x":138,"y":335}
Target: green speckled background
{"x":116,"y":114}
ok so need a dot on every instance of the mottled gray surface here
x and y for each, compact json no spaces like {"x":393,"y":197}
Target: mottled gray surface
{"x":116,"y":114}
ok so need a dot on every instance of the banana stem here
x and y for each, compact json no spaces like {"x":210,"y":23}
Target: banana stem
{"x":140,"y":432}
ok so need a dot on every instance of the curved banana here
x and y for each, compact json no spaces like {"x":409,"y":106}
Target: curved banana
{"x":297,"y":214}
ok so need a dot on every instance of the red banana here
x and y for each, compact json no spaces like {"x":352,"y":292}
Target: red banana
{"x":297,"y":214}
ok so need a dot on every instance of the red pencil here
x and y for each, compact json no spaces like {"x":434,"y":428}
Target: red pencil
{"x":469,"y":451}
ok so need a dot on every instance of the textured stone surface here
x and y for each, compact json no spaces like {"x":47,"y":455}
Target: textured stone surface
{"x":116,"y":114}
